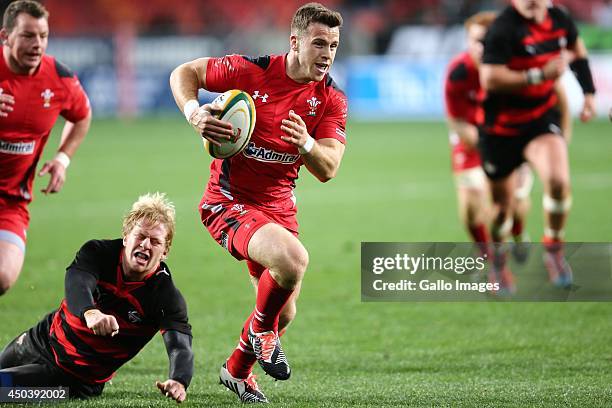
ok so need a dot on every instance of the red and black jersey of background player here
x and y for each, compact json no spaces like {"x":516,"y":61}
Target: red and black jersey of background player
{"x":40,"y":98}
{"x":521,"y":44}
{"x":463,"y":95}
{"x":265,"y":172}
{"x":141,"y":308}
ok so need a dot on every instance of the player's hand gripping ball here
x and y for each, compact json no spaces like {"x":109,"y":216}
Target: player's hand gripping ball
{"x":237,"y":107}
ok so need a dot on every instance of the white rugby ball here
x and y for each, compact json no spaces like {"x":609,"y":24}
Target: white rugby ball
{"x":237,"y":108}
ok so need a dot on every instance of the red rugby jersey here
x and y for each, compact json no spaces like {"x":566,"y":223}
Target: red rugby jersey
{"x":462,"y":92}
{"x":265,"y":172}
{"x":40,"y":98}
{"x":463,"y":97}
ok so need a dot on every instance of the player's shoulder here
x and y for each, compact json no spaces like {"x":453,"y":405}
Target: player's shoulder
{"x":58,"y":67}
{"x":100,"y":250}
{"x":332,"y":86}
{"x":99,"y":245}
{"x":506,"y":22}
{"x":508,"y":16}
{"x":261,"y":61}
{"x":459,"y":68}
{"x":163,"y":280}
{"x":165,"y":289}
{"x":559,"y":13}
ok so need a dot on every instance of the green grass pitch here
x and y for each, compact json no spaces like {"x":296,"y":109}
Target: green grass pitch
{"x":394,"y":185}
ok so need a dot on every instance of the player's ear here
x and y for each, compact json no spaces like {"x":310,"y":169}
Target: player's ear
{"x":3,"y":35}
{"x":293,"y":41}
{"x":124,"y":241}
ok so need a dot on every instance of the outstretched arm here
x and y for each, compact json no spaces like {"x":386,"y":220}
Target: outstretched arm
{"x":72,"y":136}
{"x":581,"y":69}
{"x":178,"y":346}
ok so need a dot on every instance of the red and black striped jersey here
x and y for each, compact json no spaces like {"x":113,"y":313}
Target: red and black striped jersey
{"x":521,"y":44}
{"x":142,"y":308}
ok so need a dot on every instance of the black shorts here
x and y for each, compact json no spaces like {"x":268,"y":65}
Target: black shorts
{"x":29,"y":361}
{"x":501,"y":155}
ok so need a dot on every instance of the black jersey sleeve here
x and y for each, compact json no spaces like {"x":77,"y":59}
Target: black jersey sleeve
{"x":180,"y":356}
{"x":498,"y":42}
{"x":82,"y":276}
{"x":568,"y":23}
{"x":172,"y":308}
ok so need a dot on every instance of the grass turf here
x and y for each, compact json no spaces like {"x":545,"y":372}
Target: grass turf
{"x":394,"y":185}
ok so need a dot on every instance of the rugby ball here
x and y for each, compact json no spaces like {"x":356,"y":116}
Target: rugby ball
{"x":237,"y":108}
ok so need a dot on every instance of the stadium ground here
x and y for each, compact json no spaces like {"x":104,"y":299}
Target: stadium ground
{"x":394,"y":185}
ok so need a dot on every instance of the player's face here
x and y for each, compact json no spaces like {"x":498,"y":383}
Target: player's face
{"x":531,"y":9}
{"x":475,"y":36}
{"x":145,"y":246}
{"x":316,"y":50}
{"x":27,"y":42}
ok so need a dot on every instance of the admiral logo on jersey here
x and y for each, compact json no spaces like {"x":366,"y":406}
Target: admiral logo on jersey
{"x":17,"y":147}
{"x":262,"y":154}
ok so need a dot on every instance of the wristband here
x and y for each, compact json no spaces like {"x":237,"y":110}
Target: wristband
{"x":63,"y":158}
{"x":582,"y":71}
{"x":190,"y":107}
{"x":535,"y":76}
{"x":307,"y":146}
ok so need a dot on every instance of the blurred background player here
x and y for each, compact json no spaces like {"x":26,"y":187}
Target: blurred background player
{"x":522,"y":60}
{"x":463,"y":98}
{"x":119,"y":293}
{"x":249,"y":206}
{"x":34,"y":90}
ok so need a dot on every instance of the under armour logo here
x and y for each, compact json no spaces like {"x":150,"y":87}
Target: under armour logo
{"x":263,"y":97}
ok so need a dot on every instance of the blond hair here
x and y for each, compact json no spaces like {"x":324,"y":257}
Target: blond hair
{"x":314,"y":13}
{"x":484,"y":18}
{"x":153,"y":208}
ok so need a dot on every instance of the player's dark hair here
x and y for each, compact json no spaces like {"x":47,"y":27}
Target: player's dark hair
{"x":314,"y":13}
{"x":33,"y":8}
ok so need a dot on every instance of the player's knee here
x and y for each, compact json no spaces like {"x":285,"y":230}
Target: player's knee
{"x":5,"y":282}
{"x":558,"y":187}
{"x":294,"y":263}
